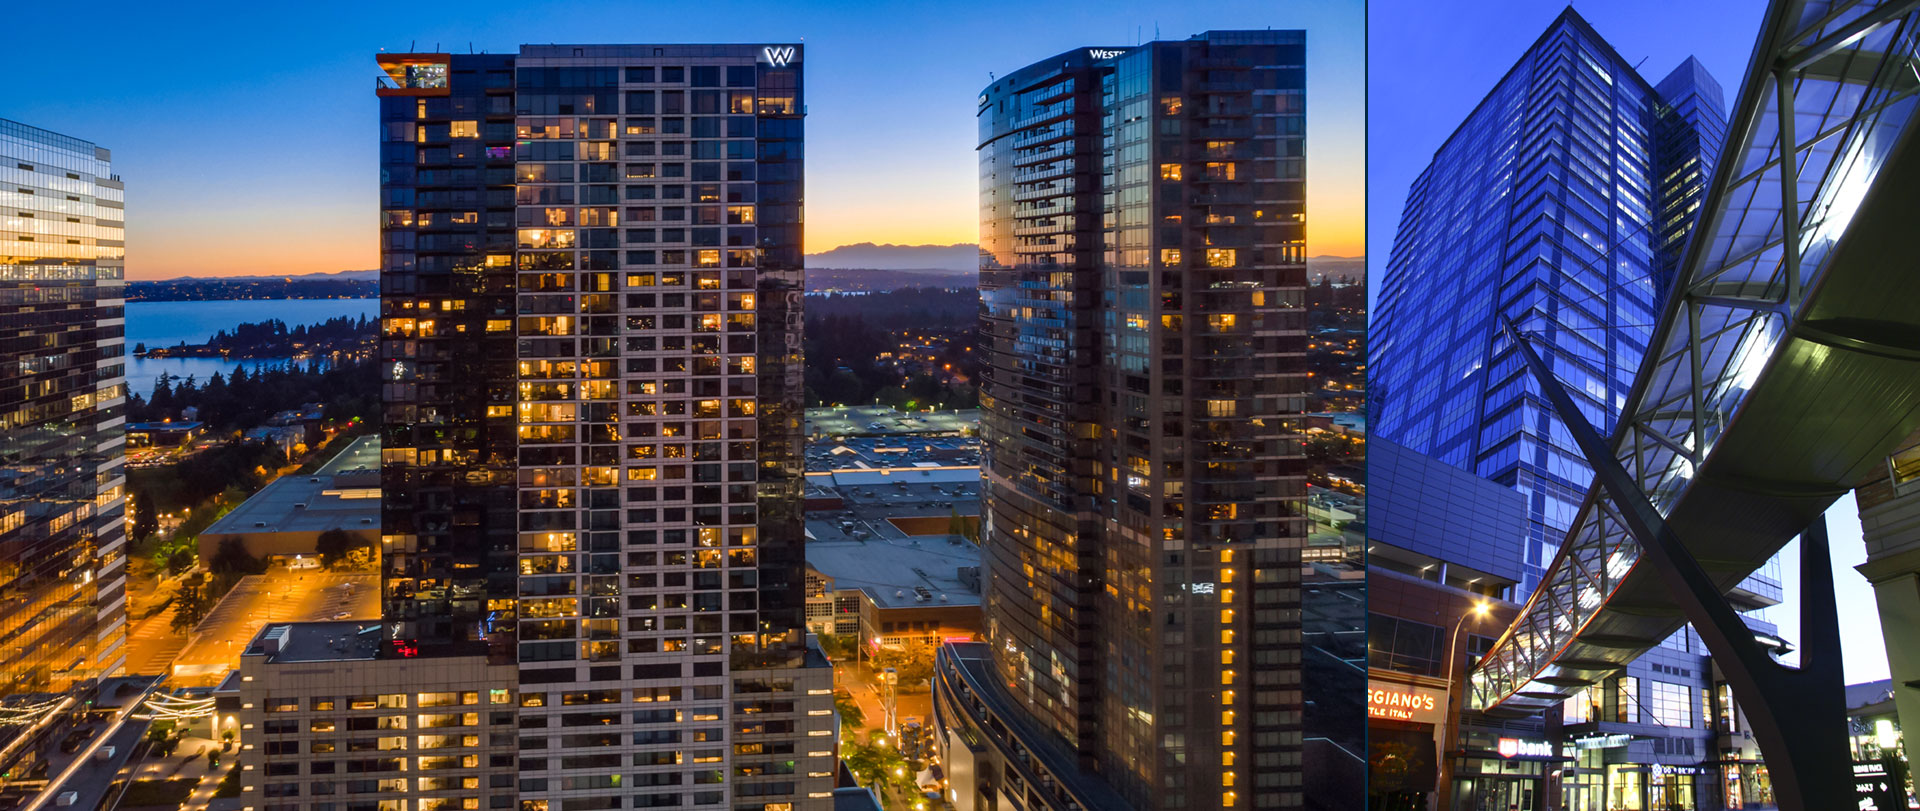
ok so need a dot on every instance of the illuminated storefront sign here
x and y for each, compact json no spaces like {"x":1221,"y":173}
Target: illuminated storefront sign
{"x":1602,"y":741}
{"x":1104,"y":53}
{"x":1524,"y":747}
{"x":1404,"y":702}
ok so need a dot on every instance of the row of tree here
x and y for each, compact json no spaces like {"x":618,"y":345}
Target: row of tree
{"x":249,"y":397}
{"x":274,"y":339}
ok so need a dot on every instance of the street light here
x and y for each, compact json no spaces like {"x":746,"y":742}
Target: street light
{"x":1456,"y":701}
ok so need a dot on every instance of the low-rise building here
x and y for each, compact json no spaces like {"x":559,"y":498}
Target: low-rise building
{"x":909,"y":593}
{"x":328,"y":714}
{"x":287,"y":517}
{"x":164,"y":434}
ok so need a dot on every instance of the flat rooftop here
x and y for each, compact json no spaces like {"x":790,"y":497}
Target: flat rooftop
{"x":890,"y":570}
{"x":896,"y":475}
{"x":340,"y":495}
{"x":885,"y":421}
{"x":317,"y":642}
{"x":362,"y":454}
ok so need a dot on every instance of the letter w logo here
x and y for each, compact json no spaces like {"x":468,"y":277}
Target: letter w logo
{"x":778,"y":57}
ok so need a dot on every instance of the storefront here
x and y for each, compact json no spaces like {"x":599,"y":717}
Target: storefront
{"x":1403,"y":731}
{"x":1744,"y":786}
{"x":1502,"y":772}
{"x":1592,"y":784}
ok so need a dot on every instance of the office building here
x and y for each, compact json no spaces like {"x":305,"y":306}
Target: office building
{"x":62,"y":414}
{"x":1142,"y":216}
{"x":1562,"y":202}
{"x":591,"y":303}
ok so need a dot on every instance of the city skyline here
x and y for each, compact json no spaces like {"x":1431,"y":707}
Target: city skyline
{"x":892,"y":150}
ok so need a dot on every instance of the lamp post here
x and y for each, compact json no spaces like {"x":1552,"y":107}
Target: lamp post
{"x":1456,"y":703}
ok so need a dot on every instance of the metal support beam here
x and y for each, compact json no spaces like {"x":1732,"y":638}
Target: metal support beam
{"x":1798,"y":716}
{"x":1789,"y":187}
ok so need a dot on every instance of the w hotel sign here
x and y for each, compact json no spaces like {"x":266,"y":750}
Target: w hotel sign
{"x":780,"y":56}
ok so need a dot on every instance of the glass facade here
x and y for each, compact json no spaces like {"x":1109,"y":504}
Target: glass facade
{"x":1563,"y":202}
{"x":593,"y":291}
{"x":62,"y":398}
{"x":1540,"y":208}
{"x":63,"y":543}
{"x":1142,"y":284}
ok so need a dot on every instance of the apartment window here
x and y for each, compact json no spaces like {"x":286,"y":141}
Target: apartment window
{"x":463,"y":129}
{"x":1222,"y":257}
{"x":1170,"y":257}
{"x":1169,"y":171}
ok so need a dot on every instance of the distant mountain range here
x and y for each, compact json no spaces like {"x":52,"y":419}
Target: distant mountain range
{"x":336,"y":276}
{"x":962,"y":258}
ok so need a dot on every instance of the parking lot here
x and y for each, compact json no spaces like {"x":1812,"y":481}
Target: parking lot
{"x":280,"y":595}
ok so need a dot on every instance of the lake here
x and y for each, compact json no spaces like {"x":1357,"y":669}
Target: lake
{"x":166,"y":323}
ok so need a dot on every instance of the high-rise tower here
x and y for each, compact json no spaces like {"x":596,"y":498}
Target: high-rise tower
{"x":1563,"y":202}
{"x":62,"y":403}
{"x":1142,"y":215}
{"x":591,"y":293}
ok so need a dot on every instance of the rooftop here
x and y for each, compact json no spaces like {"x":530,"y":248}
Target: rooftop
{"x":889,"y":570}
{"x":343,"y":494}
{"x":317,"y":642}
{"x":363,"y":454}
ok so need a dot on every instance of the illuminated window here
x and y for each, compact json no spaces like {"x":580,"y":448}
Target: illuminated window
{"x":1221,"y":257}
{"x":1220,"y":171}
{"x":1170,"y":105}
{"x":1169,"y":171}
{"x":707,"y":258}
{"x":464,"y":129}
{"x":1170,"y":257}
{"x":1626,"y":699}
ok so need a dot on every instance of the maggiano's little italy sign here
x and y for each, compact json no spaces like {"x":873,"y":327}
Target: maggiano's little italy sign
{"x":1405,"y":702}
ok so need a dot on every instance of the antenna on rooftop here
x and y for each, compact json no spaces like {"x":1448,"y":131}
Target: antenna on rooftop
{"x":410,"y":44}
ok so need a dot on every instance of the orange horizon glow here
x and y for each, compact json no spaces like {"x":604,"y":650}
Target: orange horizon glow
{"x":153,"y":257}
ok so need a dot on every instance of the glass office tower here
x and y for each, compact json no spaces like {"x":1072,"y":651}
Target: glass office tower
{"x":1142,"y":277}
{"x":592,"y":292}
{"x":62,"y":401}
{"x":1562,"y":202}
{"x":63,"y":394}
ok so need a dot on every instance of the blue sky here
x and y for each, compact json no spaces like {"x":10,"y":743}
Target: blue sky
{"x":1427,"y":70}
{"x":246,"y":132}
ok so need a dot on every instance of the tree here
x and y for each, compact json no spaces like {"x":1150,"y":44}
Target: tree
{"x":180,"y":558}
{"x":851,"y":716}
{"x":146,"y":519}
{"x":913,"y":665}
{"x":875,"y":763}
{"x":191,"y":602}
{"x":333,"y":546}
{"x":232,"y":558}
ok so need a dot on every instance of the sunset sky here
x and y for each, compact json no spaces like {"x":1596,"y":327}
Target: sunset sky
{"x":246,"y":132}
